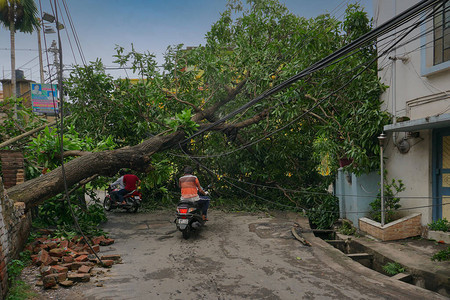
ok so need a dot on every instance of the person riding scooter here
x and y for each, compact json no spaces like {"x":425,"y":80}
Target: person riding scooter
{"x":117,"y":184}
{"x":190,"y":189}
{"x":130,"y":182}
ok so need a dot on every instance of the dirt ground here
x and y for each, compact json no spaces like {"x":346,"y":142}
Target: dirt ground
{"x":236,"y":256}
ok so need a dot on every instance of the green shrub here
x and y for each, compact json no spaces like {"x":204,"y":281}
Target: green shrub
{"x":393,"y":268}
{"x":391,"y":203}
{"x":440,"y":225}
{"x":443,"y":255}
{"x":347,"y":228}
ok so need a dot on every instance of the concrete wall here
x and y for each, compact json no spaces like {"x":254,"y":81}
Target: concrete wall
{"x":355,"y":194}
{"x":15,"y":226}
{"x":416,"y":90}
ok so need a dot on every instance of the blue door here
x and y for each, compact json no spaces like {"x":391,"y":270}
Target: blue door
{"x":441,"y":171}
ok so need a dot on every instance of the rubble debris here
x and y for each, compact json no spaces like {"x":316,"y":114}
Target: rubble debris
{"x":65,"y":262}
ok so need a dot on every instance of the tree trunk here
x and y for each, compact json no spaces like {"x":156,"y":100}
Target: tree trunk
{"x":106,"y":163}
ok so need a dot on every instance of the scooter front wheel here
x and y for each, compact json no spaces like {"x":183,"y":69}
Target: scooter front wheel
{"x":186,"y":232}
{"x":107,"y":203}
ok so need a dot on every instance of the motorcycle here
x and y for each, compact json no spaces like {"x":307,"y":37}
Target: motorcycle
{"x":189,"y":215}
{"x":133,"y":200}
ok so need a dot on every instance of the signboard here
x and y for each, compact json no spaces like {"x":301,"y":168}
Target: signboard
{"x":44,"y":98}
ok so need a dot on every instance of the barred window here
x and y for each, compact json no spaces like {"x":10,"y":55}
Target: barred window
{"x":441,"y":24}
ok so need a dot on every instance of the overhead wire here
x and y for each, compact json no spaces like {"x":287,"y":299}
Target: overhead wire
{"x":383,"y":53}
{"x":61,"y":127}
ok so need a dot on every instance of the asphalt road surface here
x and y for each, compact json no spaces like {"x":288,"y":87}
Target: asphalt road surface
{"x":236,"y":256}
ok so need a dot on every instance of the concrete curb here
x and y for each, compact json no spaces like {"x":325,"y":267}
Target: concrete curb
{"x":339,"y":262}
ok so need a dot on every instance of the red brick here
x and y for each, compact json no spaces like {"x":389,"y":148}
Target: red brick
{"x":60,"y":269}
{"x":96,"y":249}
{"x":106,"y":242}
{"x":43,"y":258}
{"x":57,"y":252}
{"x":46,"y":270}
{"x":115,"y":257}
{"x":79,"y":277}
{"x":50,"y":280}
{"x":64,"y":244}
{"x":81,"y":258}
{"x":67,"y":259}
{"x":107,"y":263}
{"x":84,"y":269}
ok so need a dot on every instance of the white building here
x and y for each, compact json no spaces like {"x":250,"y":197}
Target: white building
{"x":417,"y":72}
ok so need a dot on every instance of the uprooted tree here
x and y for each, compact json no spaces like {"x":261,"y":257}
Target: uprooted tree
{"x":249,"y":50}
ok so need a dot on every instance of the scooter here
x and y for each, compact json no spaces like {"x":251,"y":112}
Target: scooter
{"x":133,"y":199}
{"x":189,"y":216}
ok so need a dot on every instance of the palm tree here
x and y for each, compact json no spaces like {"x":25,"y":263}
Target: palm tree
{"x":18,"y":15}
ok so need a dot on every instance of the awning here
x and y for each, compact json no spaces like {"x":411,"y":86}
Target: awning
{"x":434,"y":122}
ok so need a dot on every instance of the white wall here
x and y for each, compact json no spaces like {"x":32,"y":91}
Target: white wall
{"x":414,"y":92}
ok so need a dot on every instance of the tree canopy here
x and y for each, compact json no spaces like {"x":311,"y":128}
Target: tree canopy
{"x":290,"y":140}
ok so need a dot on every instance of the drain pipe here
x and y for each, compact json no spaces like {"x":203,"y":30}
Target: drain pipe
{"x":381,"y":140}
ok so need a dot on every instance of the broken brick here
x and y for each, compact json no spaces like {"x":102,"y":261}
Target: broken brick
{"x":67,"y":259}
{"x":107,"y":263}
{"x":57,"y":252}
{"x":115,"y":257}
{"x":60,"y":269}
{"x":84,"y":269}
{"x":51,"y":245}
{"x":79,"y":277}
{"x":81,"y":258}
{"x":46,"y":270}
{"x":96,"y":240}
{"x":66,"y":283}
{"x":64,"y":244}
{"x":77,"y":265}
{"x":96,"y":249}
{"x":43,"y":258}
{"x":50,"y":280}
{"x":106,"y":242}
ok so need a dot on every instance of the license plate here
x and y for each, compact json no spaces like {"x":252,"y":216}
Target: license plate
{"x":137,"y":197}
{"x":183,"y":221}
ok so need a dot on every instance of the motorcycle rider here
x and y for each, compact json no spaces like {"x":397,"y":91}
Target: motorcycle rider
{"x":131,"y":183}
{"x":190,"y":187}
{"x":119,"y":184}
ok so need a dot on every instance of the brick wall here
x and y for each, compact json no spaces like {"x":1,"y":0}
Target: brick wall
{"x":15,"y":226}
{"x":12,"y":168}
{"x":403,"y":228}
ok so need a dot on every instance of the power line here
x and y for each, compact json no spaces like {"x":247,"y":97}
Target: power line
{"x":361,"y":41}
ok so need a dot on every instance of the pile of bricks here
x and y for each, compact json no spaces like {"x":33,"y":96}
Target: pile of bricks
{"x":63,"y":262}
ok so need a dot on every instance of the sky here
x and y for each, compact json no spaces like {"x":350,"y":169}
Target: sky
{"x":150,"y":25}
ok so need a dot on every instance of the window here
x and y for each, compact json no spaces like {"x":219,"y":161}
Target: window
{"x":441,"y":24}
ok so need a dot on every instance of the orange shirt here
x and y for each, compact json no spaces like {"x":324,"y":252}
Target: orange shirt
{"x":189,"y":186}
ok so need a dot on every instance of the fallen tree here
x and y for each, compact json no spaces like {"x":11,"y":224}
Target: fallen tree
{"x":242,"y":59}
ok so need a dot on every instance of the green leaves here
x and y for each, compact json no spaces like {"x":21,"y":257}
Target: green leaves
{"x":183,"y":121}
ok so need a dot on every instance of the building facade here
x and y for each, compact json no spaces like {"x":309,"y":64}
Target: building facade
{"x":417,"y":73}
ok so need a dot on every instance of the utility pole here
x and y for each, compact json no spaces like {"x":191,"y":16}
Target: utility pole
{"x":54,"y":49}
{"x":41,"y":67}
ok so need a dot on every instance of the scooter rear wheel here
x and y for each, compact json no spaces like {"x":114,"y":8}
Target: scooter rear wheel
{"x":186,"y":232}
{"x":133,"y":209}
{"x":107,"y":203}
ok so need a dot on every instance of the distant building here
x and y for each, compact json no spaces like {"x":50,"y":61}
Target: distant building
{"x":22,"y":88}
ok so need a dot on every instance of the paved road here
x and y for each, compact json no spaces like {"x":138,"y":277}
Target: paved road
{"x":236,"y":256}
